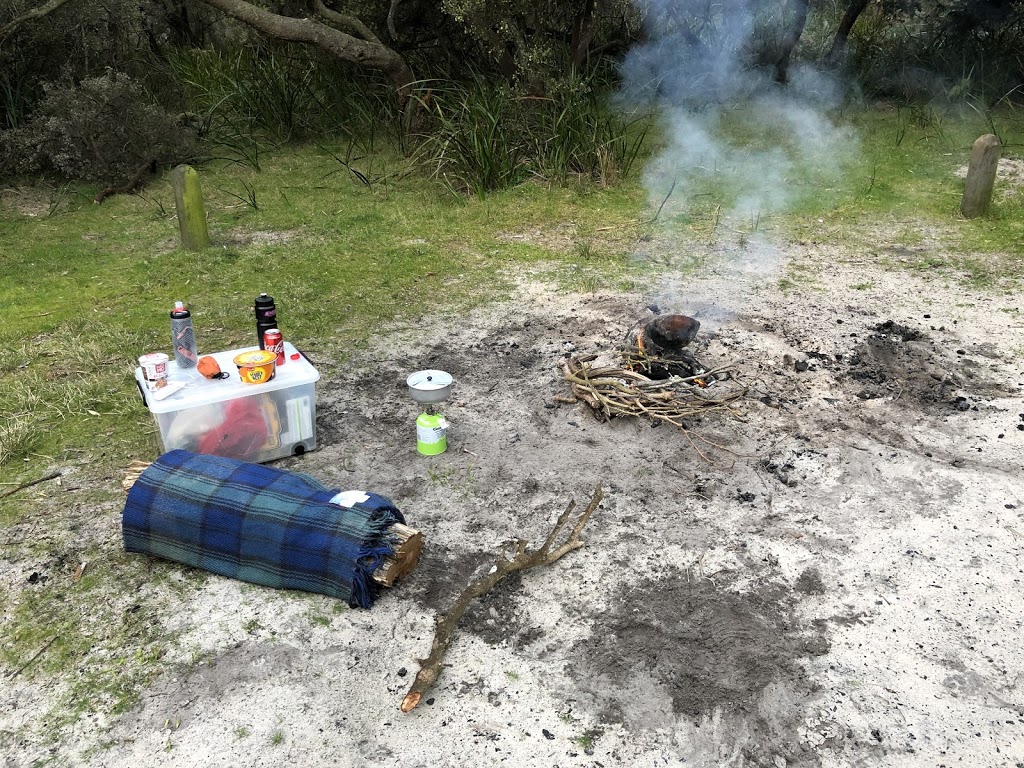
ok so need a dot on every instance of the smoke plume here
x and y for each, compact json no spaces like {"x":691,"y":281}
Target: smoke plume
{"x":739,"y":146}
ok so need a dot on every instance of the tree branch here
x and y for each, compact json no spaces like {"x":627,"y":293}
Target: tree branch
{"x":522,"y":559}
{"x":392,"y":10}
{"x":148,"y":166}
{"x":34,"y":13}
{"x":365,"y":52}
{"x":345,"y":22}
{"x":842,"y":36}
{"x":29,"y":484}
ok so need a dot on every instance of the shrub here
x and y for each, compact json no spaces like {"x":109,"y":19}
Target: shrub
{"x":103,"y":129}
{"x":574,"y":131}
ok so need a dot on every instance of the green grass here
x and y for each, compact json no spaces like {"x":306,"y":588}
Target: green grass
{"x":57,"y":624}
{"x":890,"y":183}
{"x":905,"y":180}
{"x":347,"y":242}
{"x":89,"y":288}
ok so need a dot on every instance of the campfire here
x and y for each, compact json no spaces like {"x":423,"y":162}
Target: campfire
{"x":657,"y":349}
{"x":653,"y":376}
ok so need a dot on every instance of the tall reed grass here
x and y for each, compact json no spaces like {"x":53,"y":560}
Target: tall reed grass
{"x":480,"y":137}
{"x":575,"y":132}
{"x":264,"y":94}
{"x":476,"y":136}
{"x":476,"y":141}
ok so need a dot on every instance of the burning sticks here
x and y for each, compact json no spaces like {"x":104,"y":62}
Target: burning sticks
{"x":617,"y":391}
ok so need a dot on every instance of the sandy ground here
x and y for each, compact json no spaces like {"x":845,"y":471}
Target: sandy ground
{"x":841,"y":588}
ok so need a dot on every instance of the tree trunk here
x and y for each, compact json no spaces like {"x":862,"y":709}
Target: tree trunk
{"x":583,"y":33}
{"x":796,"y":29}
{"x":365,"y":52}
{"x":853,"y":12}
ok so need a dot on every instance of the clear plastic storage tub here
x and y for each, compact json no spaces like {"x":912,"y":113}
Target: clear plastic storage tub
{"x":227,"y":417}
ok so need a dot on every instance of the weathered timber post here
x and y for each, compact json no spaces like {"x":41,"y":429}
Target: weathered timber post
{"x":188,"y":198}
{"x":981,"y":176}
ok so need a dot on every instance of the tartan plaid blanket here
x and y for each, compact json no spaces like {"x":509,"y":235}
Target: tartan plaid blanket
{"x":259,"y":524}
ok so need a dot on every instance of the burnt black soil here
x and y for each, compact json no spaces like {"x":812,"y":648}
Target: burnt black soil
{"x":901,"y":362}
{"x":497,"y":617}
{"x":703,"y":644}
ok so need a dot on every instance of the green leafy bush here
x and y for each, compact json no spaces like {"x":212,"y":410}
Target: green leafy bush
{"x":103,"y":129}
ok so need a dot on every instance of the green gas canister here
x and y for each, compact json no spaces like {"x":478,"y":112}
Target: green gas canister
{"x":431,"y":434}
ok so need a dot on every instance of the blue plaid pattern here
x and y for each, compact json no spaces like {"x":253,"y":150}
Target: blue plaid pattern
{"x":258,"y":524}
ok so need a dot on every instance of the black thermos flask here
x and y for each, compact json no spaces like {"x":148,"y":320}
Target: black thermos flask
{"x":266,"y":316}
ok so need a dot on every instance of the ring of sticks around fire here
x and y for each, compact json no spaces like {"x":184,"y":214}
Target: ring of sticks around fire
{"x":653,"y":376}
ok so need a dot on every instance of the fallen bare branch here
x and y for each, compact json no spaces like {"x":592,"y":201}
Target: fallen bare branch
{"x":522,"y":559}
{"x":149,"y":166}
{"x":29,"y":484}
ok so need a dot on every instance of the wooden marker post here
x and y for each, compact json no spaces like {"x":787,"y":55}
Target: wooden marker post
{"x":188,"y":197}
{"x":981,"y":176}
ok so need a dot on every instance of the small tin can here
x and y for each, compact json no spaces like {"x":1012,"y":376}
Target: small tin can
{"x":273,"y":341}
{"x":154,"y":369}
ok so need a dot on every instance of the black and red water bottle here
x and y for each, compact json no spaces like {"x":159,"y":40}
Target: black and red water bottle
{"x":183,"y":336}
{"x":266,"y":317}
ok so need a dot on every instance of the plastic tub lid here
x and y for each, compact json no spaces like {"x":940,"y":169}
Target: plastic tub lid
{"x":198,"y":391}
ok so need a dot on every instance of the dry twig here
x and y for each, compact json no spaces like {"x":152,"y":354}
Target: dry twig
{"x":35,"y":656}
{"x":623,"y":391}
{"x":613,"y":391}
{"x":522,"y":559}
{"x":29,"y":484}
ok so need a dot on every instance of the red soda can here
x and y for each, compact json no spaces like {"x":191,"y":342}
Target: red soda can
{"x":273,"y":341}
